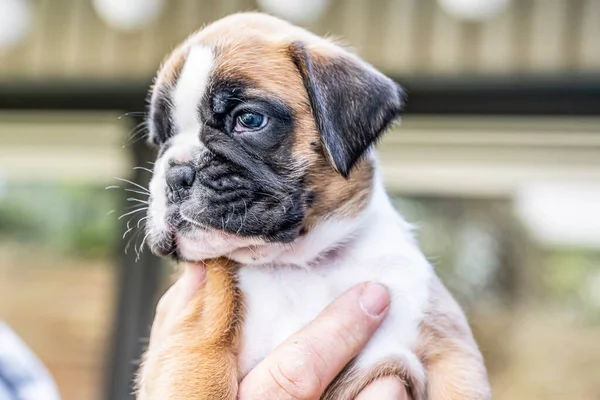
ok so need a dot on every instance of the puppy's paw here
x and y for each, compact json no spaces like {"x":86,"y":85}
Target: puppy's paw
{"x":194,"y":358}
{"x":174,"y":371}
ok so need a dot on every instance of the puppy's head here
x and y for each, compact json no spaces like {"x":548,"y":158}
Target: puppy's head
{"x":263,"y":130}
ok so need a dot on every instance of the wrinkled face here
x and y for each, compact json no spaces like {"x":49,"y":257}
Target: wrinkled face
{"x":226,"y":174}
{"x":258,"y":125}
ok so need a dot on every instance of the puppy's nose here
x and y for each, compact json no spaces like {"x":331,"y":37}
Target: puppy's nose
{"x":180,"y":177}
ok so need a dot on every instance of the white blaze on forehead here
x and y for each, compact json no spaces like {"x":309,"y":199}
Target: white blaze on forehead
{"x":186,"y":97}
{"x":190,"y":87}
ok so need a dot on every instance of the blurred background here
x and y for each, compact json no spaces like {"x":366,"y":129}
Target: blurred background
{"x":497,"y":162}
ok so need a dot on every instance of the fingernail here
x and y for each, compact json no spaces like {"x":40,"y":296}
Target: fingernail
{"x":374,"y":299}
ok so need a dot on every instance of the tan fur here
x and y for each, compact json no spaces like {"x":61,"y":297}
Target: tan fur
{"x":170,"y":69}
{"x":197,"y":358}
{"x":454,"y":365}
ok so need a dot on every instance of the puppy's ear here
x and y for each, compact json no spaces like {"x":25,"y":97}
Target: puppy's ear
{"x":351,"y":101}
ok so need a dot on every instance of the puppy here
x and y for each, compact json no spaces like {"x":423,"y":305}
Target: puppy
{"x":265,"y":134}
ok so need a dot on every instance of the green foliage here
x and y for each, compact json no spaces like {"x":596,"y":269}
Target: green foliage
{"x":16,"y":222}
{"x":71,"y":218}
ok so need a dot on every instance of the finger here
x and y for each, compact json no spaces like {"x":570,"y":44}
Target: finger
{"x":177,"y":296}
{"x":303,"y":366}
{"x":188,"y":285}
{"x":164,"y":304}
{"x":389,"y":388}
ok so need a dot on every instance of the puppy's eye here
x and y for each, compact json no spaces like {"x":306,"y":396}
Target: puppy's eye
{"x":250,"y":122}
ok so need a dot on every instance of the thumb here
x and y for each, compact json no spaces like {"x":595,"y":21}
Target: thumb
{"x":388,"y":388}
{"x":175,"y":299}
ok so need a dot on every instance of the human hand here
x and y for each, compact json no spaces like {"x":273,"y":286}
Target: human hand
{"x":304,"y":365}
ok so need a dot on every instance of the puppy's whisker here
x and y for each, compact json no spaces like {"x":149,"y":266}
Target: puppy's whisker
{"x":135,"y":247}
{"x":141,"y":220}
{"x":112,"y":187}
{"x":131,"y":238}
{"x":137,"y":133}
{"x":245,"y":214}
{"x":133,"y":113}
{"x":137,"y":200}
{"x":190,"y":219}
{"x":229,"y":215}
{"x":138,"y":192}
{"x":128,"y":230}
{"x":134,"y":184}
{"x":143,"y":169}
{"x":133,"y":212}
{"x":254,"y":253}
{"x":128,"y":245}
{"x":141,"y":248}
{"x":132,"y":206}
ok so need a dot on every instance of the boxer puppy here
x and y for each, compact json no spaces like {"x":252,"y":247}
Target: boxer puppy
{"x":266,"y":171}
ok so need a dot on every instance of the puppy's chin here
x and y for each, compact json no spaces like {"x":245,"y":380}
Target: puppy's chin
{"x":202,"y":244}
{"x":178,"y":236}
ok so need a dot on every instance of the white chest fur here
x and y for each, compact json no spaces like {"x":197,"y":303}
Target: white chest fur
{"x":281,"y":299}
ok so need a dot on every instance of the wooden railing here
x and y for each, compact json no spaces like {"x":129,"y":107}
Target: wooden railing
{"x":402,"y":37}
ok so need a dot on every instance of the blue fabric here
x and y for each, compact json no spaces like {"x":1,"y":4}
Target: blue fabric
{"x":22,"y":375}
